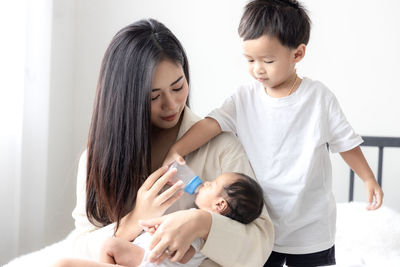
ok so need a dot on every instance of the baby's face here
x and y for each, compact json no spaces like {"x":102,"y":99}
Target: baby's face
{"x":210,"y":192}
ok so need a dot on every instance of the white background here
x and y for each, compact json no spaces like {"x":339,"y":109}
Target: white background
{"x":354,"y":50}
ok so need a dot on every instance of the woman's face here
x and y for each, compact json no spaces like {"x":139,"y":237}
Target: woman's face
{"x":168,"y":95}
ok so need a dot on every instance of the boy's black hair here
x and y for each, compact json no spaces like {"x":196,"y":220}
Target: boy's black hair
{"x":286,"y":20}
{"x":245,"y":199}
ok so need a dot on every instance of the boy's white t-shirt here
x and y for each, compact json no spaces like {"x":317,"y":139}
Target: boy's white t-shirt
{"x":286,"y":142}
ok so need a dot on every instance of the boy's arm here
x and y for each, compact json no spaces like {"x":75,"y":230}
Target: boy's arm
{"x":199,"y":134}
{"x":356,"y":160}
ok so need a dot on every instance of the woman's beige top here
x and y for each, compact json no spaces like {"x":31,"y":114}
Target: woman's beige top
{"x":229,"y":243}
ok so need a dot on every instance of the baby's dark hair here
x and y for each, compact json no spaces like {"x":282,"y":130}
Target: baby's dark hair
{"x":245,"y":199}
{"x":286,"y":20}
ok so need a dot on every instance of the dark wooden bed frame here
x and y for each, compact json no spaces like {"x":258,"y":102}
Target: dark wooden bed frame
{"x":381,"y":143}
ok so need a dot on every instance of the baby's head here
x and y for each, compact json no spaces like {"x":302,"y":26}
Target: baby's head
{"x":275,"y":34}
{"x":234,"y":195}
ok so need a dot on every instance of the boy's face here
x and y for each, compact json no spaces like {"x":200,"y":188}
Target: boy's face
{"x":210,"y":193}
{"x":270,"y":62}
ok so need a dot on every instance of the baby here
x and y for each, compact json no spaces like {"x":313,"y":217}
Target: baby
{"x":234,"y":195}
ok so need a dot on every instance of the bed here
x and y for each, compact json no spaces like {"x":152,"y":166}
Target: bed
{"x":363,"y":238}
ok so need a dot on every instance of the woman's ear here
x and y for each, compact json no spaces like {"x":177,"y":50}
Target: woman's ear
{"x":299,"y":53}
{"x":220,"y":206}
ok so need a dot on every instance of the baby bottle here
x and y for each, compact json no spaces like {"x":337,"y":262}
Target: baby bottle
{"x":191,"y":181}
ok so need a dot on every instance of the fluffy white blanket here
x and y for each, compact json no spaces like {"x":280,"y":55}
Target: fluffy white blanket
{"x":367,"y":238}
{"x":363,"y":239}
{"x":46,"y":256}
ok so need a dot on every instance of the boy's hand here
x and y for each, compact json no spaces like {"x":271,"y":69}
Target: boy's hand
{"x":356,"y":160}
{"x":374,"y":194}
{"x":173,"y":156}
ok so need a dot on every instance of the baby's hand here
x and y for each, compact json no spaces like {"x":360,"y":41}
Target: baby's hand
{"x":374,"y":194}
{"x":151,"y":230}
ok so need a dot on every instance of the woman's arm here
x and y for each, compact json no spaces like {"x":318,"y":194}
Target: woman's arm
{"x":231,"y":243}
{"x":88,"y":238}
{"x":227,"y":242}
{"x":176,"y":232}
{"x":75,"y":262}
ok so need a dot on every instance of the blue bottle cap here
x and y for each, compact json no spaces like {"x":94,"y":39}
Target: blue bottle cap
{"x":193,"y":184}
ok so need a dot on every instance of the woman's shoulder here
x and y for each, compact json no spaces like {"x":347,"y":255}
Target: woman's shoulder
{"x":226,"y":154}
{"x":82,"y":169}
{"x":226,"y":147}
{"x":83,"y":159}
{"x":83,"y":156}
{"x":221,"y":154}
{"x":222,"y":143}
{"x":225,"y":140}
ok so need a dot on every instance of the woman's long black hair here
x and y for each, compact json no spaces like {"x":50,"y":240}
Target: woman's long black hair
{"x":119,"y":147}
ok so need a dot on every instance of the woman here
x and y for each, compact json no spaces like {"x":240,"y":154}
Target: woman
{"x":140,"y":110}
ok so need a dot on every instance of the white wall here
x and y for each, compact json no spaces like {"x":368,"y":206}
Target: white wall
{"x":353,"y":49}
{"x":11,"y":102}
{"x":63,"y":149}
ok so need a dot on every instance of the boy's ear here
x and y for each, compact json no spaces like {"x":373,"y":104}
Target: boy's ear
{"x":299,"y":52}
{"x":220,"y":206}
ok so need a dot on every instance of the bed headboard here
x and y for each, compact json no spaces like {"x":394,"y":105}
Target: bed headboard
{"x":380,"y":142}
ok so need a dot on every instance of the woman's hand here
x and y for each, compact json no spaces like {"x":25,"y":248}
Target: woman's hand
{"x":176,"y":232}
{"x":150,"y":203}
{"x":374,"y":194}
